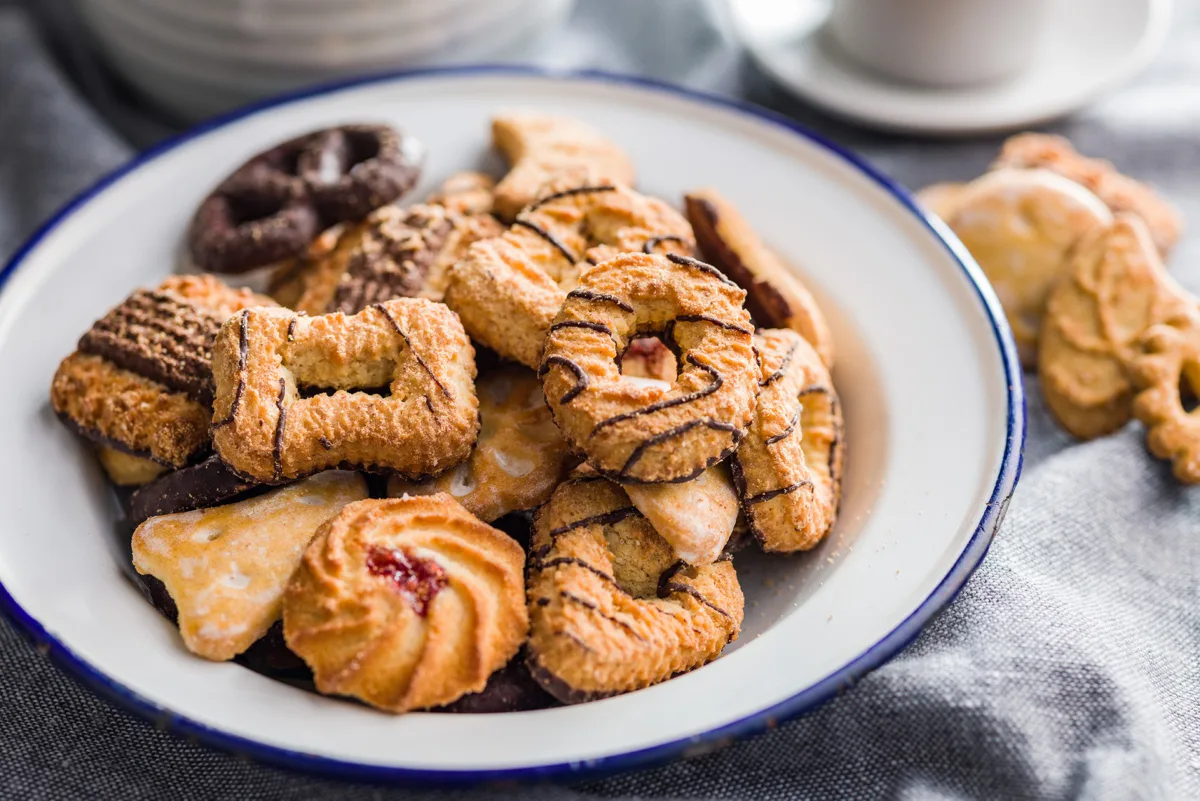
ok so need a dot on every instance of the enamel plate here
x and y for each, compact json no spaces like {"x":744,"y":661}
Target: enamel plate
{"x":926,"y":370}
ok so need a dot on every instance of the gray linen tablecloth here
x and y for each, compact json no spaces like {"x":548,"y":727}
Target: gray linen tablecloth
{"x":1069,"y":667}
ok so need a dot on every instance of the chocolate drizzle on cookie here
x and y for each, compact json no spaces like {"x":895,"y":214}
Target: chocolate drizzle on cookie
{"x":243,"y":358}
{"x":600,"y":297}
{"x":579,"y":190}
{"x":763,"y":497}
{"x":704,"y":318}
{"x":654,"y":241}
{"x":783,"y":366}
{"x":548,"y":236}
{"x":658,"y":439}
{"x":696,"y":264}
{"x":396,"y":325}
{"x":280,"y":424}
{"x":159,"y":337}
{"x":690,"y":397}
{"x":581,"y":377}
{"x":787,"y":432}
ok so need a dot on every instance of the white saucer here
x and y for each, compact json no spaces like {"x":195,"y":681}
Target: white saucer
{"x":1090,"y":47}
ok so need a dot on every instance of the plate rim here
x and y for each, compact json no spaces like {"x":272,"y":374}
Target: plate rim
{"x":807,"y":699}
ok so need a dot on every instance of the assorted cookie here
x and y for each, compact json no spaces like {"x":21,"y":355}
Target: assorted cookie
{"x":326,"y":491}
{"x":406,"y":603}
{"x":1075,"y":252}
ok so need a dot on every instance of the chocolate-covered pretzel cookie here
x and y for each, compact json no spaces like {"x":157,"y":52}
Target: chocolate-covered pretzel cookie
{"x":426,"y":421}
{"x":508,"y":289}
{"x":140,"y":384}
{"x":610,"y":608}
{"x":275,"y":204}
{"x":635,"y":431}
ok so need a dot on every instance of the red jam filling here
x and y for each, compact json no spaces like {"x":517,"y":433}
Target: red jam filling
{"x":419,"y":580}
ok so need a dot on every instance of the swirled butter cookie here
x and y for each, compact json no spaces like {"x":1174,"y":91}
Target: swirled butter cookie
{"x":406,"y":603}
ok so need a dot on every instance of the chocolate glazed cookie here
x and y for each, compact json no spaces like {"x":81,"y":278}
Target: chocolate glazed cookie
{"x":611,"y":610}
{"x":637,"y":431}
{"x":275,"y":204}
{"x":788,"y":469}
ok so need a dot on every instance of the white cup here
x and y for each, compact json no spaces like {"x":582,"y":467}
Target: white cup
{"x":939,"y":42}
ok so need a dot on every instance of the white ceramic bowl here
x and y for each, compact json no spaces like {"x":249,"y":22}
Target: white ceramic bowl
{"x":197,"y":60}
{"x":926,"y":370}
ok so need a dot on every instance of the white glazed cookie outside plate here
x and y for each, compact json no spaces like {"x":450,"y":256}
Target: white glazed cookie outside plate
{"x":933,"y":407}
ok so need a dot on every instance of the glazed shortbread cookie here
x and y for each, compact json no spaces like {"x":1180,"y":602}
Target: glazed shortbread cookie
{"x":635,"y":431}
{"x":542,"y":148}
{"x":406,"y":603}
{"x":1022,"y":227}
{"x":611,"y":609}
{"x":788,"y":468}
{"x":140,"y":384}
{"x":519,"y":458}
{"x":775,"y":295}
{"x":267,"y":430}
{"x":226,"y":568}
{"x":508,"y":289}
{"x":1116,"y":289}
{"x":1121,"y":193}
{"x":695,"y":517}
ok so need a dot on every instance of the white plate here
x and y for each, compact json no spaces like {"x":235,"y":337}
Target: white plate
{"x":1090,"y":47}
{"x":926,"y":368}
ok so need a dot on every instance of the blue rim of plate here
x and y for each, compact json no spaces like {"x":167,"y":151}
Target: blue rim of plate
{"x":804,"y":701}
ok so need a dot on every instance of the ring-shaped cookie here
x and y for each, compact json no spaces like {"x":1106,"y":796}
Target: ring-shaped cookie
{"x":636,"y":431}
{"x":610,"y":608}
{"x":271,"y":208}
{"x":788,"y":469}
{"x":426,"y":420}
{"x":508,"y":289}
{"x":406,"y":603}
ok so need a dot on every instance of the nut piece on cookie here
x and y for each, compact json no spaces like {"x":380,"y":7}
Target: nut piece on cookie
{"x":406,"y":603}
{"x":775,"y":295}
{"x":611,"y":608}
{"x":520,"y":456}
{"x":508,"y":289}
{"x":140,"y":383}
{"x":1115,"y":289}
{"x":695,"y":517}
{"x":1022,"y":227}
{"x":634,"y":431}
{"x":541,"y":148}
{"x":788,"y":469}
{"x":1119,"y":192}
{"x":1170,"y":359}
{"x":226,"y":568}
{"x":426,"y":421}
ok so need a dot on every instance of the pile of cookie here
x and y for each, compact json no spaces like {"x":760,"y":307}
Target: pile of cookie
{"x":1076,"y":251}
{"x":489,"y":451}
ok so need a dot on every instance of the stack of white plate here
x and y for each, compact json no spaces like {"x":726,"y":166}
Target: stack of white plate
{"x":201,"y":58}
